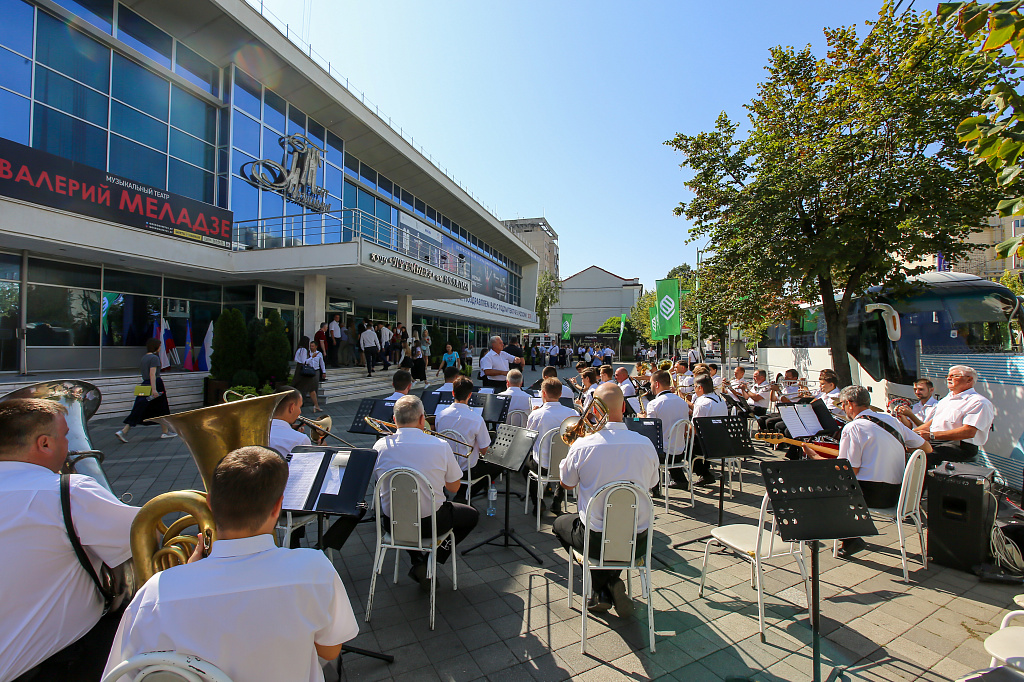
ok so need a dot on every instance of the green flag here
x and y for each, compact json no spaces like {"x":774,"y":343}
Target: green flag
{"x":566,"y":325}
{"x":105,"y":304}
{"x":668,"y":307}
{"x":654,"y":324}
{"x":622,"y":326}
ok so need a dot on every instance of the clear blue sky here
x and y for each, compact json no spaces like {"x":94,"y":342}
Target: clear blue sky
{"x":561,"y":109}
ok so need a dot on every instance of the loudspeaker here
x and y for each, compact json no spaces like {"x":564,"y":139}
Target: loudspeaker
{"x":960,"y":516}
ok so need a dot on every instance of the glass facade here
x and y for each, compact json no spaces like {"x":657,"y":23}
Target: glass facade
{"x":464,"y":332}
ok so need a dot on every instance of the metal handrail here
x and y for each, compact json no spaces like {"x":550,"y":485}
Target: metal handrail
{"x":339,"y":226}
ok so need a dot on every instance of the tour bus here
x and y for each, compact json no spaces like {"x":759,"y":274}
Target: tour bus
{"x":951,"y":319}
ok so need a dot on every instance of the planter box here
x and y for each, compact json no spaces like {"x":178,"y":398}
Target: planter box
{"x":213,"y":391}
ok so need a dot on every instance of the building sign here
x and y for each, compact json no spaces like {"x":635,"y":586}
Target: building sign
{"x":489,"y":279}
{"x":295,"y":177}
{"x":48,"y":180}
{"x":486,"y":308}
{"x":415,"y":268}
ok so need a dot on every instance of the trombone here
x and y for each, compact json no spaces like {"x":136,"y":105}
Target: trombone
{"x":324,"y":427}
{"x":388,"y":429}
{"x":593,"y":419}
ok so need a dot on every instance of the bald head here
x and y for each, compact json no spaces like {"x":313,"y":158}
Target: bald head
{"x":611,"y":396}
{"x":621,"y":374}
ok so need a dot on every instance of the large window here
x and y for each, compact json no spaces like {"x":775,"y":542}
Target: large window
{"x":62,"y":316}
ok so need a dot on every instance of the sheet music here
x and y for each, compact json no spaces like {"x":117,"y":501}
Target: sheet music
{"x":486,"y":390}
{"x":302,"y":471}
{"x":536,"y":402}
{"x":478,"y":409}
{"x":332,"y":482}
{"x":809,"y":418}
{"x":634,"y":402}
{"x":796,"y":427}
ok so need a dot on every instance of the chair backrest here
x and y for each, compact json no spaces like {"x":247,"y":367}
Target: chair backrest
{"x":913,"y":482}
{"x":166,"y":666}
{"x":621,"y":502}
{"x":516,"y":418}
{"x":558,"y":449}
{"x":457,"y":448}
{"x":760,"y":528}
{"x":405,"y":487}
{"x":679,"y":442}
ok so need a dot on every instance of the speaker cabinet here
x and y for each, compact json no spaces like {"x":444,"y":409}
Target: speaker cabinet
{"x":960,"y":516}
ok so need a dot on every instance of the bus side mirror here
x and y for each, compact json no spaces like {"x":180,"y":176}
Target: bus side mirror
{"x":890,"y":317}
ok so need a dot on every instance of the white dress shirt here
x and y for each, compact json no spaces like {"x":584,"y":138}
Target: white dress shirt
{"x":710,"y":405}
{"x":385,"y":335}
{"x":518,"y":399}
{"x":628,"y":389}
{"x":284,"y":439}
{"x":967,"y":408}
{"x":716,"y":381}
{"x":546,"y":417}
{"x":499,"y":361}
{"x":612,"y":454}
{"x":461,"y":418}
{"x":873,"y":450}
{"x":924,"y":411}
{"x":397,"y":395}
{"x":368,"y":339}
{"x":314,"y":360}
{"x":762,"y":389}
{"x":567,"y":392}
{"x":444,"y":388}
{"x":252,"y":609}
{"x":47,"y":600}
{"x":669,"y":408}
{"x":430,"y":456}
{"x":334,"y":329}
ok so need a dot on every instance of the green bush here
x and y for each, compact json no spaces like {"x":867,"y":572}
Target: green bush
{"x":242,"y":390}
{"x":230,"y":349}
{"x":245,"y":377}
{"x":273,"y":350}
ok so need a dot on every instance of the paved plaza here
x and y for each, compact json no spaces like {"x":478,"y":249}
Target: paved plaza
{"x":509,"y":619}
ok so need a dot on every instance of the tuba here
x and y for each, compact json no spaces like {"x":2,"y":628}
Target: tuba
{"x":210,"y":433}
{"x":593,"y":419}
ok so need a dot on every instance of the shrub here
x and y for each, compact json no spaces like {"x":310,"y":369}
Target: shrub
{"x":230,"y":348}
{"x":273,"y":350}
{"x":245,"y":377}
{"x":241,"y":390}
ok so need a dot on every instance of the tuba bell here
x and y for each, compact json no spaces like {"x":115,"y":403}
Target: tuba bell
{"x":593,"y":419}
{"x":210,"y":433}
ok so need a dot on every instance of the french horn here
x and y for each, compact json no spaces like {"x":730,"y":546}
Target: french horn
{"x":210,"y":433}
{"x":593,"y":419}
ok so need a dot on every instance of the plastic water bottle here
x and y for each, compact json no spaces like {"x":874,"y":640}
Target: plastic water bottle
{"x":492,"y":497}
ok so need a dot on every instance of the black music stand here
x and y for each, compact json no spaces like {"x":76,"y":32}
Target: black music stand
{"x":495,"y":406}
{"x":650,"y":427}
{"x":512,"y":445}
{"x":721,"y":438}
{"x":816,"y":500}
{"x":349,"y":505}
{"x":378,"y":409}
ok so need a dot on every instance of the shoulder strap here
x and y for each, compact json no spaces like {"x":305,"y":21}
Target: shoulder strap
{"x":886,"y":427}
{"x":69,"y":526}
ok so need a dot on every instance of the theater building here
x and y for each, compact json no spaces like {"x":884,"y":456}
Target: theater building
{"x":172,"y":159}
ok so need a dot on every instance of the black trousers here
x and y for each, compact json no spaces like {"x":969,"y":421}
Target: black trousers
{"x":678,"y":475}
{"x":450,"y":516}
{"x":533,"y":466}
{"x":332,"y":351}
{"x":81,"y":661}
{"x":497,"y":384}
{"x":569,"y":530}
{"x":951,"y":451}
{"x":879,"y":495}
{"x":482,"y":468}
{"x":371,"y":358}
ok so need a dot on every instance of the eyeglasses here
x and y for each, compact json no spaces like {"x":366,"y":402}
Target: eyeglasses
{"x":954,"y":376}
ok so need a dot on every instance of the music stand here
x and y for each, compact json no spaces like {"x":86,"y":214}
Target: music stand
{"x":650,"y":427}
{"x":495,"y":406}
{"x":568,"y":402}
{"x":378,"y":409}
{"x":348,"y":504}
{"x":816,"y":500}
{"x":512,"y":445}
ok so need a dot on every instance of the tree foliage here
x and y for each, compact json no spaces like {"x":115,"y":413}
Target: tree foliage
{"x":230,"y":345}
{"x":548,"y":290}
{"x":273,"y":350}
{"x":611,"y":326}
{"x":640,"y":319}
{"x":850,"y":173}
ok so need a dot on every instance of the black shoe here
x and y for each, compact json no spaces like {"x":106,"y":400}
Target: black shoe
{"x":533,"y":507}
{"x":599,"y":602}
{"x":656,"y":494}
{"x":707,"y":479}
{"x":419,"y":573}
{"x":683,"y":485}
{"x":851,"y":546}
{"x":556,"y":508}
{"x":623,"y":602}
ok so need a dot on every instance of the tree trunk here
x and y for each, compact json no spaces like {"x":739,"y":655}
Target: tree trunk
{"x":835,"y":319}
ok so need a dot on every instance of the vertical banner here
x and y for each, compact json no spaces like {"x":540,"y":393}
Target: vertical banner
{"x":655,"y":336}
{"x":566,"y":325}
{"x":622,"y":326}
{"x":668,"y":307}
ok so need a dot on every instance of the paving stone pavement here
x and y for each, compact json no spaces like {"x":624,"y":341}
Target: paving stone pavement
{"x":509,"y":619}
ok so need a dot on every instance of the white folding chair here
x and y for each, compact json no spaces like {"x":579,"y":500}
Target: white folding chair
{"x":552,"y":444}
{"x":464,"y":450}
{"x":908,"y":507}
{"x":621,"y":502}
{"x":516,"y":418}
{"x":1006,"y":645}
{"x":289,"y":521}
{"x":748,"y":542}
{"x":166,"y":666}
{"x":678,"y":455}
{"x":406,"y":487}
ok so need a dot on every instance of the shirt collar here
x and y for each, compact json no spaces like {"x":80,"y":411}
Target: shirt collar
{"x":616,"y":426}
{"x":28,"y":467}
{"x":242,"y":546}
{"x":963,"y":394}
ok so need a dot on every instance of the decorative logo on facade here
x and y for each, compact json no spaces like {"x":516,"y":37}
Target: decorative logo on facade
{"x":565,"y":326}
{"x":295,"y":177}
{"x":667,"y":306}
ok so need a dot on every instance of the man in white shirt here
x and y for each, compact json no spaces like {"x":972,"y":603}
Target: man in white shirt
{"x":923,"y":410}
{"x":961,"y":421}
{"x":334,"y":339}
{"x":608,"y":355}
{"x":370,"y":345}
{"x":550,"y":372}
{"x":607,"y":374}
{"x":693,"y":356}
{"x":875,"y":444}
{"x":472,"y":430}
{"x":495,"y":364}
{"x":669,"y":408}
{"x":385,"y":343}
{"x":622,"y":379}
{"x":706,"y":403}
{"x":283,"y":438}
{"x":757,"y":395}
{"x":732,"y":390}
{"x":549,"y":415}
{"x":519,"y":400}
{"x":450,"y":374}
{"x":553,"y":354}
{"x":255,"y":610}
{"x":434,"y":460}
{"x":612,"y":454}
{"x":716,"y":380}
{"x":51,"y":610}
{"x":401,"y":382}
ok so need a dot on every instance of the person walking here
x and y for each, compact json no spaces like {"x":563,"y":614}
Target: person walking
{"x":449,"y":359}
{"x":334,"y":338}
{"x":152,"y":403}
{"x":310,"y":370}
{"x":419,"y":364}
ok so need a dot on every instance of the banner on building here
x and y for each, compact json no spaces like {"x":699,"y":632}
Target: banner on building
{"x":667,"y":305}
{"x":566,"y":326}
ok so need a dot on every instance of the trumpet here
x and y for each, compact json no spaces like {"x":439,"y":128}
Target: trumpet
{"x":324,"y":427}
{"x":388,"y":429}
{"x":593,"y":419}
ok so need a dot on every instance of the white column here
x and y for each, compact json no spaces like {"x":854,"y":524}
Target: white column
{"x":405,"y":311}
{"x":315,"y":306}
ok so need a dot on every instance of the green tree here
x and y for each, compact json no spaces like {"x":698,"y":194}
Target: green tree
{"x":230,"y":345}
{"x":640,"y":317}
{"x":273,"y":350}
{"x":682,"y":271}
{"x":611,"y":326}
{"x":1011,"y":280}
{"x":851,"y":170}
{"x":548,"y":290}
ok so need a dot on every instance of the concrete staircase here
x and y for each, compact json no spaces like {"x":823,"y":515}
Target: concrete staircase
{"x":351,"y":383}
